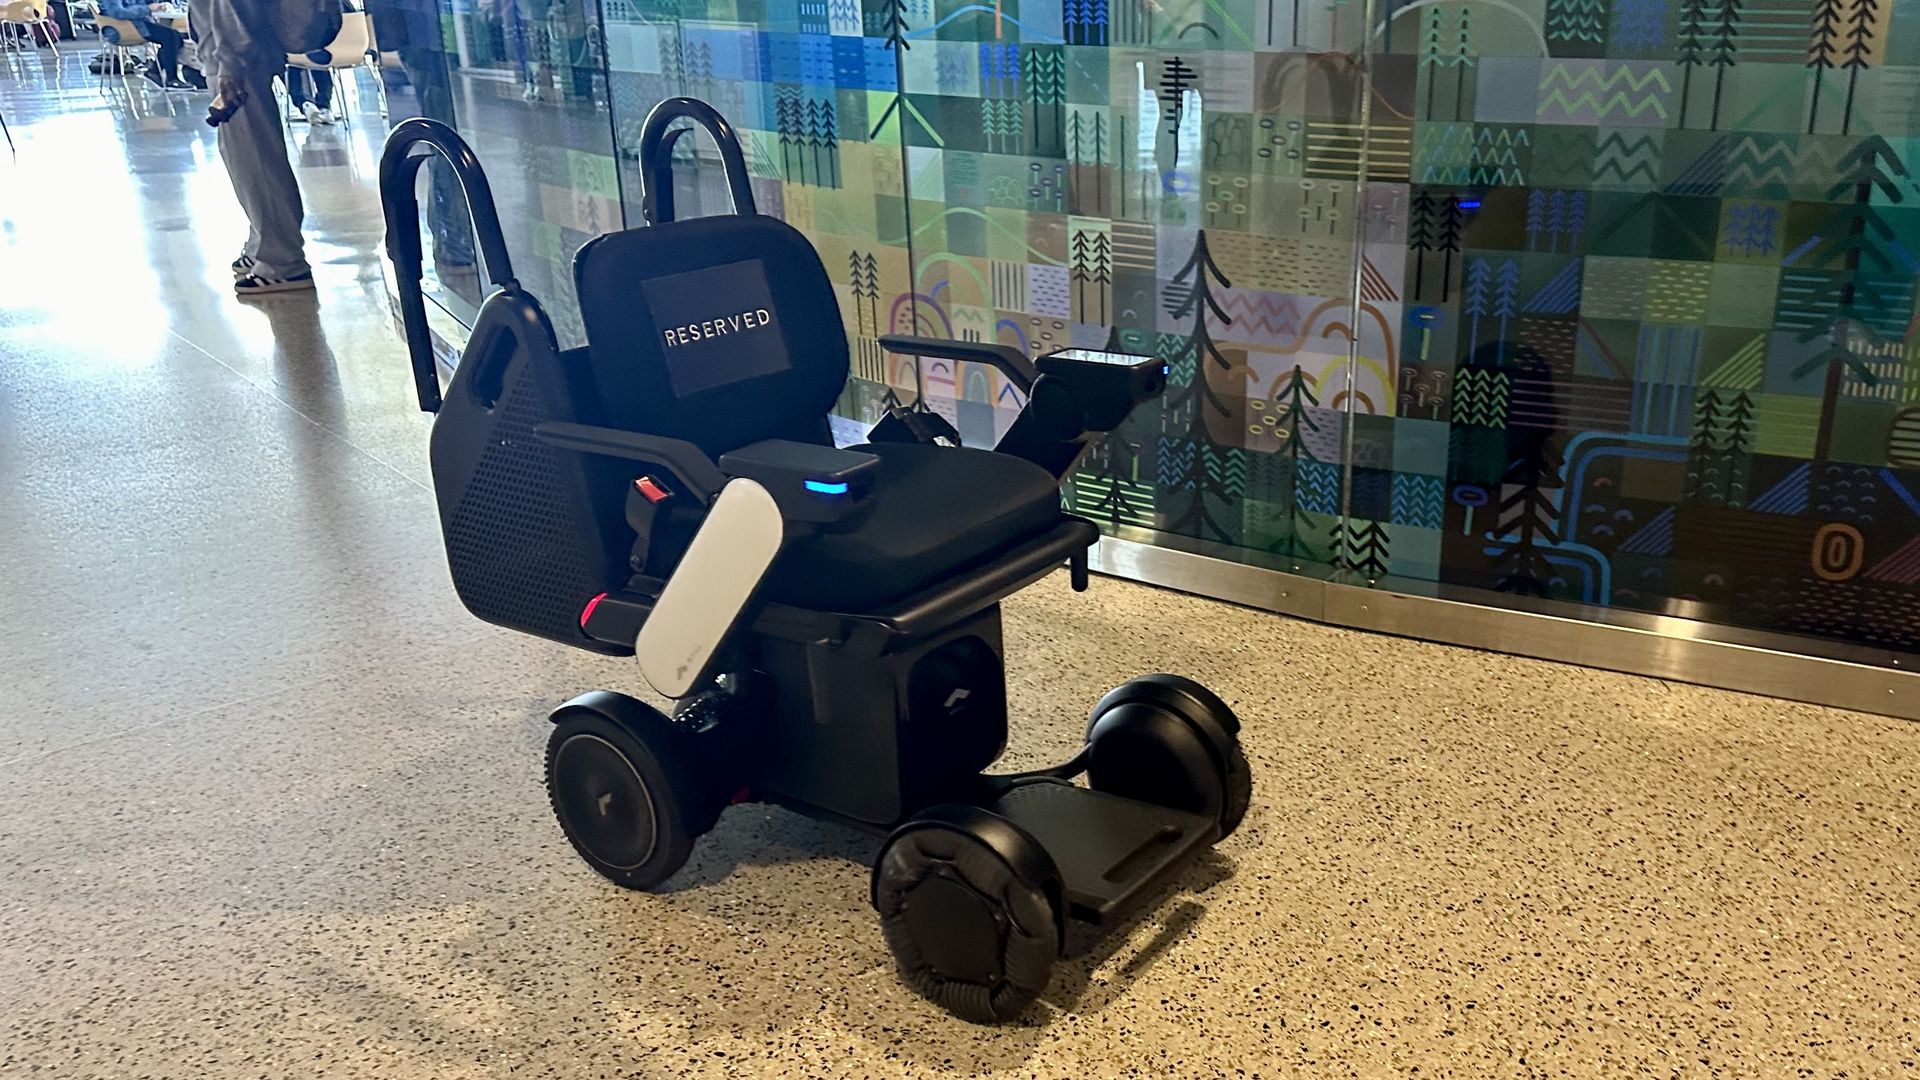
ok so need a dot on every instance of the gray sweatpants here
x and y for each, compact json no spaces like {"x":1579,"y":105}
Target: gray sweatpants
{"x":252,"y":145}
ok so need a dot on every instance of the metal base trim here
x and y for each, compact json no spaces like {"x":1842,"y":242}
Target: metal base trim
{"x":1667,"y":648}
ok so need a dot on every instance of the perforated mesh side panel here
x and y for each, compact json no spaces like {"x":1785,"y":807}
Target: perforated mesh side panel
{"x":521,"y":554}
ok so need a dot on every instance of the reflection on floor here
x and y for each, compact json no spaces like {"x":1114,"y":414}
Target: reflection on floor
{"x":269,"y":800}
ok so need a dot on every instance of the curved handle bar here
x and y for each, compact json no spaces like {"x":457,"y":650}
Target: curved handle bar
{"x":656,"y":157}
{"x":399,"y":165}
{"x":1011,"y":361}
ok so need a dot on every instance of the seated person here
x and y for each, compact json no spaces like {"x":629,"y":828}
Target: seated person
{"x":166,"y":73}
{"x":315,"y":104}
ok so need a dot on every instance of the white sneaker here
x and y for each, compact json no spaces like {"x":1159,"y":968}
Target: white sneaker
{"x":319,"y":116}
{"x":310,"y":111}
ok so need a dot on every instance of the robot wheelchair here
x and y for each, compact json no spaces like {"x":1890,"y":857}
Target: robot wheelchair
{"x":826,"y":620}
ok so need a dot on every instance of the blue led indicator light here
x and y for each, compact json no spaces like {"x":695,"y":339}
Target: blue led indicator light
{"x":825,"y":488}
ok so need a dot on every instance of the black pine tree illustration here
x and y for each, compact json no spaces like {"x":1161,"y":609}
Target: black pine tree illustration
{"x":1726,"y":31}
{"x":1453,"y":223}
{"x":1087,"y":146}
{"x":1176,"y":78}
{"x":787,"y":121}
{"x":873,"y":290}
{"x":1365,"y":549}
{"x":1531,"y":517}
{"x":1859,"y":46}
{"x":827,"y":137}
{"x":1080,"y":269}
{"x":1861,"y":237}
{"x":1703,"y":450}
{"x":1737,"y":445}
{"x":857,"y":285}
{"x":1822,"y":47}
{"x":1420,"y":235}
{"x":1044,"y":70}
{"x":1102,"y":271}
{"x":1195,"y":282}
{"x":1295,"y":398}
{"x":894,"y":25}
{"x":813,"y":135}
{"x":1693,"y":29}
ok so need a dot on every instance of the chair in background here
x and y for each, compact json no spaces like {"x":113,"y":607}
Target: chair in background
{"x":122,"y":43}
{"x":349,"y":50}
{"x":29,"y":17}
{"x":83,"y":9}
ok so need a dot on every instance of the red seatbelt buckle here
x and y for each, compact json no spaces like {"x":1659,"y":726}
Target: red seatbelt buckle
{"x":652,"y":490}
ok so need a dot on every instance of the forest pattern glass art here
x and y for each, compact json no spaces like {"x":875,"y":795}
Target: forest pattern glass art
{"x":1608,"y":302}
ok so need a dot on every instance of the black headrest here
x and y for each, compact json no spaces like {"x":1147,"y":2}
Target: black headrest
{"x":718,"y":330}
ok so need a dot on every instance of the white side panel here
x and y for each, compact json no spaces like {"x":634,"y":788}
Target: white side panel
{"x":710,"y":588}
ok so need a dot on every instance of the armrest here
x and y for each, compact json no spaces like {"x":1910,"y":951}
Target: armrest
{"x":691,"y":467}
{"x":1011,"y":361}
{"x":809,"y":483}
{"x":1106,"y":385}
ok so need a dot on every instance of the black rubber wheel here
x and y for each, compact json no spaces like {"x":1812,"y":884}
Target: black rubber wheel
{"x":1167,"y":740}
{"x":630,"y":794}
{"x":970,"y":906}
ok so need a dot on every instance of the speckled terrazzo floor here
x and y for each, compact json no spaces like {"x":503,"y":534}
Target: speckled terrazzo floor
{"x":270,"y":804}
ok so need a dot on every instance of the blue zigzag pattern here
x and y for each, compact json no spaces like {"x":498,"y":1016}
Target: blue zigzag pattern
{"x":1317,"y":487}
{"x":1418,"y":500}
{"x":1173,"y":470}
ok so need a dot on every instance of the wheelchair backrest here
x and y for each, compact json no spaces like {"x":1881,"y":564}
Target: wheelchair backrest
{"x":721,"y":331}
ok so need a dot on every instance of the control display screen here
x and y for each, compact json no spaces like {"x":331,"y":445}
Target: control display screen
{"x":1098,"y":356}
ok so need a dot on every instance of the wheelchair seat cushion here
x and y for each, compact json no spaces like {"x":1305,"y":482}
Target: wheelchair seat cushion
{"x":937,"y":511}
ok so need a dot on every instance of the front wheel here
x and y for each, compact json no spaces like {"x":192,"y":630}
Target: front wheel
{"x":970,"y":906}
{"x":1167,"y":740}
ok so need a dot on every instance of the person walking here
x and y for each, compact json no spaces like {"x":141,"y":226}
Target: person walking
{"x":242,"y":55}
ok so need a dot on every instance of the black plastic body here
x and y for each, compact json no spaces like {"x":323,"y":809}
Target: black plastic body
{"x":532,"y":532}
{"x":1107,"y":386}
{"x":1109,"y":851}
{"x":810,"y":484}
{"x":854,"y":691}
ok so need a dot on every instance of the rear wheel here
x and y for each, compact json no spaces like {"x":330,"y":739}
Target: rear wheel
{"x":629,"y":793}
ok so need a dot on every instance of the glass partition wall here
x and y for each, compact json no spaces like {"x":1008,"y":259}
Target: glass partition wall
{"x":1564,"y":305}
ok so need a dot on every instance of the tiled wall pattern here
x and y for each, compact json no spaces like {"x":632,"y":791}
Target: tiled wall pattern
{"x":1651,"y":275}
{"x":1605,"y":301}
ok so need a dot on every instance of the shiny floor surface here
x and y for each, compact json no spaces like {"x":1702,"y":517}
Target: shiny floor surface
{"x":270,"y":800}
